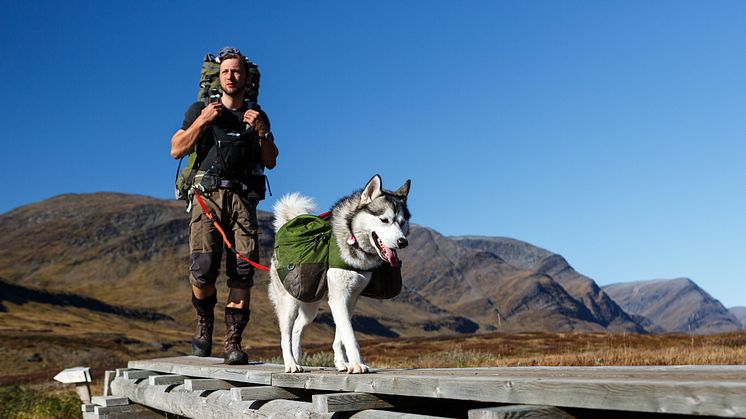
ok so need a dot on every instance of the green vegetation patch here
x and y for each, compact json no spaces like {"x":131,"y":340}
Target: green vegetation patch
{"x":18,"y":402}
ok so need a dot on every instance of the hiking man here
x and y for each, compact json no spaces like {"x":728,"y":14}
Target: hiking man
{"x":233,"y":143}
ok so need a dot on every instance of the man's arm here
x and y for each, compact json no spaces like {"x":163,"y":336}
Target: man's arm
{"x":182,"y":142}
{"x":268,"y":150}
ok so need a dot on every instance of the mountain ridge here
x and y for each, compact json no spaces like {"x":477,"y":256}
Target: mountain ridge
{"x":675,"y":305}
{"x":132,"y":250}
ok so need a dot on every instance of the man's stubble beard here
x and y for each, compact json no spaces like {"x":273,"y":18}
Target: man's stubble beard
{"x":234,"y":92}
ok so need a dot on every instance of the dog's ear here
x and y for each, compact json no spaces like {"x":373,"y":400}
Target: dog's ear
{"x":403,"y":191}
{"x":371,"y":191}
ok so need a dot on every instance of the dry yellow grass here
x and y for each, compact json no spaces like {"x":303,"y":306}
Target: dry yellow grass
{"x":558,"y":349}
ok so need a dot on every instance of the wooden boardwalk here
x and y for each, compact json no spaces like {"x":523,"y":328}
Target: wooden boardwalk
{"x":204,"y":387}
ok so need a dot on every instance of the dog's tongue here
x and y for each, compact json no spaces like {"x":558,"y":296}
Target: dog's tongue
{"x":391,"y":256}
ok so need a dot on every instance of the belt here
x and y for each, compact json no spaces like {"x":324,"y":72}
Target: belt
{"x":232,"y":185}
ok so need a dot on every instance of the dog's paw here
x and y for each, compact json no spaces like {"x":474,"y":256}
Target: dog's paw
{"x":341,"y":366}
{"x":293,"y":368}
{"x":357,"y":369}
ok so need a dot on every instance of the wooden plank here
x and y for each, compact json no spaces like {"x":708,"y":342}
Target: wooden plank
{"x":262,"y":393}
{"x":137,"y":374}
{"x":211,"y":367}
{"x":167,"y":379}
{"x":87,"y":407}
{"x":726,"y":398}
{"x":120,"y":372}
{"x":203,"y":384}
{"x":519,"y":412}
{"x":347,"y":402}
{"x":108,"y":401}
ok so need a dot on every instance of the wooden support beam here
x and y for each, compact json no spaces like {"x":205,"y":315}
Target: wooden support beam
{"x":520,"y":412}
{"x":242,"y":394}
{"x":347,"y":402}
{"x":202,"y":384}
{"x":389,"y":414}
{"x":168,"y":379}
{"x":137,"y":374}
{"x":132,"y":411}
{"x":108,"y":401}
{"x":194,"y":366}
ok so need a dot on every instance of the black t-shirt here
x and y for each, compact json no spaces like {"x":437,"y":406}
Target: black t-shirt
{"x":226,"y":148}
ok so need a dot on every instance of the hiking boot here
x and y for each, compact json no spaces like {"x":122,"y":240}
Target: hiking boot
{"x":236,"y":320}
{"x":202,"y":339}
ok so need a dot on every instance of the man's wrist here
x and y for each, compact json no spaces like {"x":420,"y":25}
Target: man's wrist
{"x":267,"y":136}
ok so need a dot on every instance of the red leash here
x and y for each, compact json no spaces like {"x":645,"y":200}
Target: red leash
{"x":212,"y":218}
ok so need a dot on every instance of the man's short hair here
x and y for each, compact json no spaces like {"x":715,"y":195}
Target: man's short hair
{"x":241,"y":59}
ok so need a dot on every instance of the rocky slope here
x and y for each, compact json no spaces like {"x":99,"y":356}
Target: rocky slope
{"x":740,"y":313}
{"x":675,"y":305}
{"x":602,"y":309}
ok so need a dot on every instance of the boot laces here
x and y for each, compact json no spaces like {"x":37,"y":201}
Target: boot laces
{"x":204,"y":326}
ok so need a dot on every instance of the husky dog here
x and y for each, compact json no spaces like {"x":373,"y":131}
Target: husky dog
{"x":369,"y":226}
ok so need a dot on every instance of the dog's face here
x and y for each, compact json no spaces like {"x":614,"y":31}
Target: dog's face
{"x":381,"y":224}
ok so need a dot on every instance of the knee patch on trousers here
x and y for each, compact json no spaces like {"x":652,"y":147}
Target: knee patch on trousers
{"x":244,"y":281}
{"x":204,"y":268}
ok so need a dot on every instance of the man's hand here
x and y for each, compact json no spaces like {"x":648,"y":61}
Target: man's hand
{"x":211,"y":112}
{"x":252,"y":118}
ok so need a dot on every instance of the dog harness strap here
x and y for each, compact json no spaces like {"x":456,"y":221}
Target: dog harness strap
{"x":212,"y":218}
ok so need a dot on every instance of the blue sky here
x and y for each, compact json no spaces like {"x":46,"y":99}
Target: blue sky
{"x":609,"y":132}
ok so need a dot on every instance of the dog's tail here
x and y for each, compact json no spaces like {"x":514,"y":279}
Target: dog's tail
{"x":291,"y":206}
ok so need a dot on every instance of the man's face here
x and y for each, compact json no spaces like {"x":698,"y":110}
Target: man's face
{"x":232,"y":78}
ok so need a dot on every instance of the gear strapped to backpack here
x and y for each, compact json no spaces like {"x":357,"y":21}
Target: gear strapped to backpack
{"x":210,"y":91}
{"x":305,"y":248}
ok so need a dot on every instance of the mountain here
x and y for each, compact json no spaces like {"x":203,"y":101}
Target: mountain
{"x":674,"y":305}
{"x":740,"y":313}
{"x":525,"y":256}
{"x":131,"y":251}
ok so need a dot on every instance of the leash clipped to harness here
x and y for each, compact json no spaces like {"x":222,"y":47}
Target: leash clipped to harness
{"x":215,"y":222}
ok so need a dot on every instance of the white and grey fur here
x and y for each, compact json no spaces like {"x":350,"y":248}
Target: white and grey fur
{"x":364,"y":215}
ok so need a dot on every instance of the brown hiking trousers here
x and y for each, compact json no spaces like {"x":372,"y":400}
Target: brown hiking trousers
{"x":237,"y":217}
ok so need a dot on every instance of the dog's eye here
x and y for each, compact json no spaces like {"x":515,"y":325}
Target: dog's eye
{"x":385,"y":220}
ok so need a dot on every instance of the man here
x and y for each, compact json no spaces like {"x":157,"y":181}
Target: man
{"x":234,"y":144}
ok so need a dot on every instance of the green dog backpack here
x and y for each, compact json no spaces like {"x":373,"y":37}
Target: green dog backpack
{"x":305,"y":249}
{"x":302,"y":252}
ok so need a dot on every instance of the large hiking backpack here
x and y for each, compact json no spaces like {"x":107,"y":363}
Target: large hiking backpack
{"x":305,"y":249}
{"x":209,"y":91}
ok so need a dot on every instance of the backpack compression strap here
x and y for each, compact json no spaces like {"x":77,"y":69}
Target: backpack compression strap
{"x":212,"y":218}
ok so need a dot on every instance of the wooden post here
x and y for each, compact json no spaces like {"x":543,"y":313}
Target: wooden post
{"x":81,"y":377}
{"x":108,"y":378}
